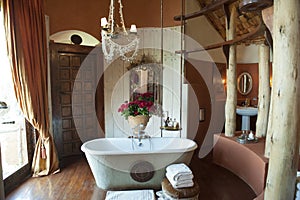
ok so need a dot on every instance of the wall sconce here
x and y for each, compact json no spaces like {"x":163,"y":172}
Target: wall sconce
{"x":224,"y":81}
{"x":201,"y":114}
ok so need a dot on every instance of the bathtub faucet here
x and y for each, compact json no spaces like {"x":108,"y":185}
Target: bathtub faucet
{"x":141,"y":133}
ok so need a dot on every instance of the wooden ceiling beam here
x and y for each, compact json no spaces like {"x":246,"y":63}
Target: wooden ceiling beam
{"x":259,"y":30}
{"x":214,"y":6}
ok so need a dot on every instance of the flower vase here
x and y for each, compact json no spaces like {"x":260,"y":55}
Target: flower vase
{"x":135,"y":121}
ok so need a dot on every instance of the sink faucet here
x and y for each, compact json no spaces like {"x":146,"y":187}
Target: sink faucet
{"x":247,"y":102}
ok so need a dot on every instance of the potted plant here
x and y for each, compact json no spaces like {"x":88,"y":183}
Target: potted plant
{"x":138,"y":111}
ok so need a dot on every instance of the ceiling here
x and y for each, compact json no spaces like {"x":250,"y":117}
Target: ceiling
{"x":245,"y":21}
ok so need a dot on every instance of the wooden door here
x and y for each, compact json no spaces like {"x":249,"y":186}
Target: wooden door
{"x":76,"y":96}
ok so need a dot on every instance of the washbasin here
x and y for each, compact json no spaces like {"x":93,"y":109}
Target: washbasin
{"x":247,"y":111}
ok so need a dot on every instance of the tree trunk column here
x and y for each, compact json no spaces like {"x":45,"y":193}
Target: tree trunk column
{"x":230,"y":106}
{"x":285,"y":103}
{"x":263,"y":91}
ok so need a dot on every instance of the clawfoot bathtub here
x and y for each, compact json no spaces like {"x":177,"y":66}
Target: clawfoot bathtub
{"x":120,"y":163}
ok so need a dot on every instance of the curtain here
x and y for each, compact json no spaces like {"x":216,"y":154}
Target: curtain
{"x":27,"y":48}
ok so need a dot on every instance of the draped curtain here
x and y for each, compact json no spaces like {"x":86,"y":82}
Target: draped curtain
{"x":27,"y":48}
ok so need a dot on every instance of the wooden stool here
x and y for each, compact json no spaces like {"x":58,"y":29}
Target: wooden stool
{"x":181,"y":193}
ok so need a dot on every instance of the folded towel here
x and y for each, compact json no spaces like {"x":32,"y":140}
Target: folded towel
{"x":163,"y":196}
{"x":178,"y":170}
{"x":180,"y":177}
{"x":182,"y":180}
{"x":297,"y":194}
{"x":298,"y":186}
{"x":130,"y":195}
{"x":181,"y":184}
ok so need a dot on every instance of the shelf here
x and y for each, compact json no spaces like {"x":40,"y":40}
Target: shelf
{"x":170,"y":128}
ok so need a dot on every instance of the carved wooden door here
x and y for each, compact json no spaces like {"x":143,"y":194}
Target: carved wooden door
{"x":77,"y":93}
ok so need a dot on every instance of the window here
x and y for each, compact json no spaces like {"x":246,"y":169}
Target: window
{"x":12,"y":123}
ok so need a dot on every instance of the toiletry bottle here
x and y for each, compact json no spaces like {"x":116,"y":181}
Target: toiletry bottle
{"x":170,"y":123}
{"x":251,"y":135}
{"x":167,"y":122}
{"x":174,"y":123}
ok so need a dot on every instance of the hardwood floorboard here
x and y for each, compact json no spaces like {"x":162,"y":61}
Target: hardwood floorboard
{"x":72,"y":183}
{"x":76,"y":182}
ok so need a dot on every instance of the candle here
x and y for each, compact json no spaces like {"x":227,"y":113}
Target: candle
{"x":103,"y":21}
{"x":133,"y":28}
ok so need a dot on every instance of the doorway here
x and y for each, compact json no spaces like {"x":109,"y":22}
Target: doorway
{"x":13,"y":134}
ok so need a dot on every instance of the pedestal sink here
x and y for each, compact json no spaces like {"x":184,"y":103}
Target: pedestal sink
{"x":246,"y":112}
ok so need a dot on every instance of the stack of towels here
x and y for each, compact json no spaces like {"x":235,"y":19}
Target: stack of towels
{"x":180,"y":176}
{"x":178,"y":184}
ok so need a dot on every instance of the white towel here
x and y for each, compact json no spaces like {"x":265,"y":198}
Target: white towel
{"x":297,"y":194}
{"x":181,"y":180}
{"x":297,"y":197}
{"x":185,"y":184}
{"x":180,"y":184}
{"x":298,"y":186}
{"x":180,"y":177}
{"x":130,"y":195}
{"x":178,"y":170}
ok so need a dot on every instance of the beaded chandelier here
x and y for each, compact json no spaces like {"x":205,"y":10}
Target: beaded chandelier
{"x":116,"y":41}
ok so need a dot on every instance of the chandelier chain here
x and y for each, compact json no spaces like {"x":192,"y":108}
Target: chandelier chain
{"x":111,"y":15}
{"x":121,"y":16}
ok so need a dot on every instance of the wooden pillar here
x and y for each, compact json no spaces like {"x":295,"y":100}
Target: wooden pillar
{"x":263,"y":91}
{"x":230,"y":106}
{"x":284,"y":153}
{"x":270,"y":129}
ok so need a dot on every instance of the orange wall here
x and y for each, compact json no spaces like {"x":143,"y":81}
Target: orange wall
{"x":251,"y":68}
{"x":199,"y":86}
{"x":85,"y":15}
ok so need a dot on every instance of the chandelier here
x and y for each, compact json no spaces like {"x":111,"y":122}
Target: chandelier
{"x":116,"y":41}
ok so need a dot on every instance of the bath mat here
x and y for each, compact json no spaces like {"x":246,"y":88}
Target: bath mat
{"x":130,"y":195}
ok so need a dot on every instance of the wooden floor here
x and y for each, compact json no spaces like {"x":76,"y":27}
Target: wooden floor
{"x":75,"y":182}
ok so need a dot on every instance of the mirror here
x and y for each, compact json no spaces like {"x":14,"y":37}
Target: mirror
{"x":145,"y":78}
{"x":244,"y":83}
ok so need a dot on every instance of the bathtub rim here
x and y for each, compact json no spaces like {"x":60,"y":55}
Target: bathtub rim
{"x":192,"y":147}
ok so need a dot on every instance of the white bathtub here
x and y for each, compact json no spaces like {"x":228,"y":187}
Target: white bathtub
{"x":120,"y":163}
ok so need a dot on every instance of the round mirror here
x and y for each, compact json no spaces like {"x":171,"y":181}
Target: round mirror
{"x":244,"y":83}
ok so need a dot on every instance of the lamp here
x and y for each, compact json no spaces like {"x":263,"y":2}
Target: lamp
{"x":116,"y":41}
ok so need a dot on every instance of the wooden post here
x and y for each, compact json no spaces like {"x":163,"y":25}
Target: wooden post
{"x":284,"y":155}
{"x":269,"y":130}
{"x":230,"y":106}
{"x":267,"y":15}
{"x":263,"y":91}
